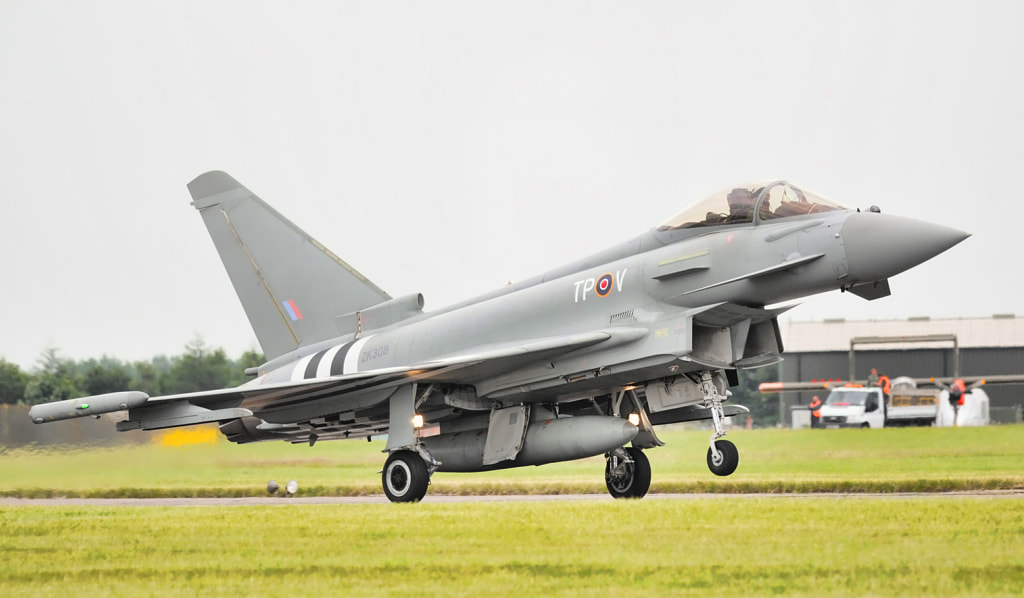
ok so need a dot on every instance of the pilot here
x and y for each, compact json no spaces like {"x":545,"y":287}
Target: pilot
{"x":741,"y":205}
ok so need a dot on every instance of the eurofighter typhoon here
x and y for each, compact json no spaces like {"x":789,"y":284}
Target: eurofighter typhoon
{"x":583,"y":360}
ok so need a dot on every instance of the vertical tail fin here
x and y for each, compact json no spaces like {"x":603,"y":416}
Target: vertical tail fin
{"x":290,"y":285}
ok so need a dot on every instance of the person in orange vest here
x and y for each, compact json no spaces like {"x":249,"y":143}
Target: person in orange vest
{"x":815,"y":412}
{"x":957,"y":391}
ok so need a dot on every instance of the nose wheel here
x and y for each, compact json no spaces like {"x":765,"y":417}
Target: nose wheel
{"x":627,"y":473}
{"x":723,"y":458}
{"x":722,"y":454}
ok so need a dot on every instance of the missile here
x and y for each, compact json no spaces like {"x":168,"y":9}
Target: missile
{"x":547,"y":441}
{"x":83,"y":406}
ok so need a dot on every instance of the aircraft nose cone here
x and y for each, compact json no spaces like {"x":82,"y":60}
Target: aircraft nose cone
{"x":882,"y":245}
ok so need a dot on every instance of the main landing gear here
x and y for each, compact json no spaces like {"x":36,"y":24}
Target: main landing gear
{"x":627,"y":473}
{"x":407,"y":471}
{"x":405,"y":477}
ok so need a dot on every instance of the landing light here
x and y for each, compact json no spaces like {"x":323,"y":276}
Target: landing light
{"x":634,"y":418}
{"x":417,"y":421}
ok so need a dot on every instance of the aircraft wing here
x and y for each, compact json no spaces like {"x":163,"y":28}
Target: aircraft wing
{"x":971,"y":381}
{"x":351,"y":392}
{"x":944,"y":382}
{"x":770,"y":387}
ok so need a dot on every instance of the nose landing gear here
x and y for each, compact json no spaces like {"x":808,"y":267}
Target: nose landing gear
{"x":723,"y":458}
{"x":722,"y":454}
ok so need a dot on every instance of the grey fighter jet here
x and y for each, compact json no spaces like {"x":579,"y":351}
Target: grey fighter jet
{"x":580,"y":361}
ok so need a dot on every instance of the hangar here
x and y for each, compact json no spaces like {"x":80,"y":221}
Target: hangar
{"x":969,"y":347}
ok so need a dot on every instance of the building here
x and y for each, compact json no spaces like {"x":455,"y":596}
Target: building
{"x":970,"y":347}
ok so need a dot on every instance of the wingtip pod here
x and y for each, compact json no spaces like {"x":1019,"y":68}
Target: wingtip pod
{"x":82,"y":406}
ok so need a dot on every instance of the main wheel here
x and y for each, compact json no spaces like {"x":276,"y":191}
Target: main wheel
{"x":405,"y":477}
{"x":629,"y":480}
{"x":728,"y":458}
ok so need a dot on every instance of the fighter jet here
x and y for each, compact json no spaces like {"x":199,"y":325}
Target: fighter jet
{"x":576,"y":362}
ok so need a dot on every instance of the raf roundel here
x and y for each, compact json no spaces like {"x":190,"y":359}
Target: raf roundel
{"x":604,"y":285}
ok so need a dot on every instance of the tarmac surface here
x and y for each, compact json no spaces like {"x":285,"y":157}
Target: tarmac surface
{"x":299,"y":500}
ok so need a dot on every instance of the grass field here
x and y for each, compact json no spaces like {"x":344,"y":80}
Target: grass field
{"x":726,"y":546}
{"x":701,"y":547}
{"x":887,"y":460}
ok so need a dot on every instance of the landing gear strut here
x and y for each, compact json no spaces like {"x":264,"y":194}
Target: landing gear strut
{"x":407,"y":471}
{"x":627,"y":473}
{"x":722,"y":454}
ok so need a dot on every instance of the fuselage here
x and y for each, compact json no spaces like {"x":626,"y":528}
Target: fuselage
{"x":655,"y":295}
{"x":573,"y":363}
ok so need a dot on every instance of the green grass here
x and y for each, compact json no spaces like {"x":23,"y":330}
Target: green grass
{"x":830,"y":546}
{"x":888,"y":460}
{"x":702,"y":547}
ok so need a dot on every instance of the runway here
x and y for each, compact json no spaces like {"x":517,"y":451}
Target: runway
{"x":282,"y":501}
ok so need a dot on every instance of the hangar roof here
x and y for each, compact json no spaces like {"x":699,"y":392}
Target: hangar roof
{"x":835,"y":335}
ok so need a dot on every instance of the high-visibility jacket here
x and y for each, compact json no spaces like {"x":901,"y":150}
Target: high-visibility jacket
{"x":959,"y":389}
{"x":816,"y":407}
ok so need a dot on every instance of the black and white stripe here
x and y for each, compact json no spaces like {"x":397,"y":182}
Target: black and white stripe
{"x":338,"y":360}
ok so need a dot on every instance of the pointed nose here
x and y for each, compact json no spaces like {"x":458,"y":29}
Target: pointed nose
{"x":882,"y":245}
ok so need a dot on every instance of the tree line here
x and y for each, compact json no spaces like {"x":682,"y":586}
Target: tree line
{"x":56,"y":378}
{"x":764,"y":409}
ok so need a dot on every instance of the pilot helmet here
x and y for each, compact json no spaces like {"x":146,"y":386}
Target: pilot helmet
{"x":740,"y":198}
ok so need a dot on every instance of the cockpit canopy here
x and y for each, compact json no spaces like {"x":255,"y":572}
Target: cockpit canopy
{"x":750,"y":203}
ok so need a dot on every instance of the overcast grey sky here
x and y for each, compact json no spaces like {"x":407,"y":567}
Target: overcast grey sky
{"x":449,"y":147}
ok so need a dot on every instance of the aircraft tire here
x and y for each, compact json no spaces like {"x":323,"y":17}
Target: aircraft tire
{"x":729,"y":458}
{"x":405,"y":477}
{"x":637,"y":481}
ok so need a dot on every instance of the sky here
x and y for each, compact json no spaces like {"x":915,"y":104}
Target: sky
{"x":451,"y":147}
